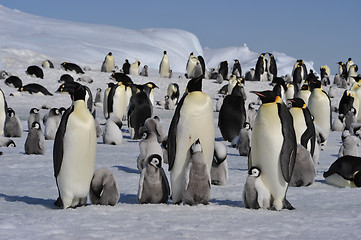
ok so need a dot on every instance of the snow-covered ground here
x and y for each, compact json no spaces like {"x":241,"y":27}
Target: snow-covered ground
{"x":27,"y":184}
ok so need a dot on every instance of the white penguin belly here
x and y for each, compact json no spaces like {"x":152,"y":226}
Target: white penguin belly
{"x":164,"y":68}
{"x":299,"y":123}
{"x":319,"y":106}
{"x":338,"y":181}
{"x":2,"y":114}
{"x":119,"y":102}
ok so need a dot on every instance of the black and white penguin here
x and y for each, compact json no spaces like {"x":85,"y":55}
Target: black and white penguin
{"x":118,"y":99}
{"x":65,"y":78}
{"x":251,"y":114}
{"x":134,"y":68}
{"x":71,"y":67}
{"x":121,"y":77}
{"x":197,"y":184}
{"x":304,"y":172}
{"x":346,"y":103}
{"x":173,"y":92}
{"x":342,"y":70}
{"x":223,"y":69}
{"x":250,"y":75}
{"x":149,"y":90}
{"x":52,"y":123}
{"x":273,"y":146}
{"x":108,"y":63}
{"x":345,"y":171}
{"x":351,"y":74}
{"x":144,"y":71}
{"x":191,"y":63}
{"x":35,"y":88}
{"x":232,"y":114}
{"x":47,"y":64}
{"x":349,"y":63}
{"x":219,"y":170}
{"x":105,"y":99}
{"x":271,"y":66}
{"x":6,"y":142}
{"x":203,"y":65}
{"x":255,"y":193}
{"x":14,"y":81}
{"x":192,"y":120}
{"x":325,"y":71}
{"x":164,"y":67}
{"x":244,"y":140}
{"x":35,"y":141}
{"x":349,"y":145}
{"x":261,"y":69}
{"x":35,"y":71}
{"x":104,"y":189}
{"x":237,"y":69}
{"x":74,"y":152}
{"x":98,"y":97}
{"x":4,"y":74}
{"x":3,"y":109}
{"x":112,"y":132}
{"x":154,"y":125}
{"x":304,"y":93}
{"x":153,"y":182}
{"x":34,"y":116}
{"x":126,"y":66}
{"x":12,"y":127}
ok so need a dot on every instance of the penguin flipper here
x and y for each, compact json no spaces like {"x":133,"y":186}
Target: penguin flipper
{"x":165,"y":183}
{"x":58,"y":149}
{"x":309,"y":134}
{"x":110,"y":98}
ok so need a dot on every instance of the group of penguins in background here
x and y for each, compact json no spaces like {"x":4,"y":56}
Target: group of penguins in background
{"x":282,"y":138}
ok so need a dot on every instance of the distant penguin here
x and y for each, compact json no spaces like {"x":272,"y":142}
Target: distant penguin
{"x":134,"y":68}
{"x":350,"y":118}
{"x":197,"y":184}
{"x":250,"y":75}
{"x":352,"y":72}
{"x":112,"y":132}
{"x":345,"y":171}
{"x":342,"y":69}
{"x":164,"y":67}
{"x":223,"y":69}
{"x":118,"y":99}
{"x":71,"y":67}
{"x":108,"y":63}
{"x":126,"y":66}
{"x":273,"y":146}
{"x":219,"y":170}
{"x":261,"y":69}
{"x":47,"y":64}
{"x":251,"y":114}
{"x":84,"y":78}
{"x":191,"y":63}
{"x":65,"y":78}
{"x":233,"y":81}
{"x":4,"y":74}
{"x":35,"y":88}
{"x":219,"y":79}
{"x":237,"y":69}
{"x":153,"y":182}
{"x":52,"y":123}
{"x":98,"y":97}
{"x":121,"y":77}
{"x":12,"y":126}
{"x":168,"y":103}
{"x":35,"y":141}
{"x":144,"y":71}
{"x":346,"y":103}
{"x":244,"y":140}
{"x":193,"y":119}
{"x":255,"y":193}
{"x":325,"y":71}
{"x":6,"y":142}
{"x":338,"y":123}
{"x":304,"y":172}
{"x":74,"y":152}
{"x":34,"y":116}
{"x":14,"y":81}
{"x":349,"y":63}
{"x":3,"y":109}
{"x":349,"y":145}
{"x":105,"y":99}
{"x":331,"y":92}
{"x":173,"y":92}
{"x":271,"y":66}
{"x":35,"y":71}
{"x":104,"y":189}
{"x":232,"y":115}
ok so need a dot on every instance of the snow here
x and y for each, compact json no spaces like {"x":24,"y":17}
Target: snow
{"x":27,"y":184}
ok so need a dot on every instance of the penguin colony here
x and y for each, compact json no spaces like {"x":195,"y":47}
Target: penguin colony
{"x":288,"y":126}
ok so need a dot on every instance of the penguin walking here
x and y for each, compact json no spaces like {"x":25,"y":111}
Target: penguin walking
{"x":12,"y":127}
{"x":197,"y":184}
{"x":164,"y":67}
{"x":104,"y":189}
{"x":112,"y":132}
{"x":35,"y":71}
{"x":192,"y":120}
{"x":219,"y":170}
{"x":153,"y":182}
{"x":244,"y":140}
{"x":35,"y":141}
{"x":261,"y":69}
{"x":273,"y":146}
{"x":71,"y":67}
{"x":74,"y":152}
{"x":34,"y":116}
{"x":304,"y":172}
{"x":3,"y":109}
{"x":134,"y":68}
{"x":52,"y":123}
{"x":108,"y":63}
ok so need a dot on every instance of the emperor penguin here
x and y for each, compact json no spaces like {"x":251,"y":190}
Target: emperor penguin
{"x":134,"y":68}
{"x":118,"y":99}
{"x":154,"y":125}
{"x":356,"y":93}
{"x":35,"y":71}
{"x":149,"y":90}
{"x":126,"y":66}
{"x":332,"y":92}
{"x":251,"y":114}
{"x":219,"y":102}
{"x":105,"y":99}
{"x":193,"y":119}
{"x":153,"y":182}
{"x":261,"y":69}
{"x":232,"y":114}
{"x":197,"y":183}
{"x":319,"y":105}
{"x":112,"y":132}
{"x":271,"y":66}
{"x":244,"y":140}
{"x":233,"y":81}
{"x":223,"y":69}
{"x":338,"y":123}
{"x":164,"y":67}
{"x":345,"y":171}
{"x":12,"y":127}
{"x":325,"y":71}
{"x":47,"y":64}
{"x":144,"y":71}
{"x":14,"y":82}
{"x":219,"y":170}
{"x":349,"y":63}
{"x":304,"y":93}
{"x":250,"y":75}
{"x":274,"y":146}
{"x":35,"y":88}
{"x":342,"y":69}
{"x":104,"y":189}
{"x":349,"y":145}
{"x":346,"y":103}
{"x":34,"y":116}
{"x":71,"y":67}
{"x":3,"y":108}
{"x":255,"y":193}
{"x":6,"y":142}
{"x":98,"y":97}
{"x":66,"y":78}
{"x":173,"y":92}
{"x":237,"y":69}
{"x":352,"y":72}
{"x":304,"y":172}
{"x":290,"y":91}
{"x":108,"y":63}
{"x":191,"y":63}
{"x":74,"y":152}
{"x":52,"y":123}
{"x":35,"y":141}
{"x":168,"y":103}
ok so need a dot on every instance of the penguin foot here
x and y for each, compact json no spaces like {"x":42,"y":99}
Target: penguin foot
{"x":58,"y":203}
{"x":287,"y":205}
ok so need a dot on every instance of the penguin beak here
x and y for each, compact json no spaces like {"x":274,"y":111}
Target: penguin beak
{"x":257,"y":93}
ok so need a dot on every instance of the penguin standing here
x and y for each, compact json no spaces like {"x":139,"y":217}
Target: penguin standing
{"x":197,"y":184}
{"x":134,"y":68}
{"x":144,"y":71}
{"x":342,"y":70}
{"x":35,"y":71}
{"x":191,"y":63}
{"x":98,"y":97}
{"x":52,"y":123}
{"x":126,"y":66}
{"x":118,"y":99}
{"x":3,"y":109}
{"x":251,"y":114}
{"x":219,"y":170}
{"x":223,"y":69}
{"x":35,"y":141}
{"x":34,"y":116}
{"x":271,"y":66}
{"x":104,"y":189}
{"x":339,"y":123}
{"x":108,"y":63}
{"x":105,"y":100}
{"x":192,"y":120}
{"x":164,"y":67}
{"x":304,"y":172}
{"x":273,"y":146}
{"x":250,"y":75}
{"x":352,"y":72}
{"x":112,"y":132}
{"x":173,"y":92}
{"x":349,"y":63}
{"x":261,"y":69}
{"x":349,"y":145}
{"x":149,"y":90}
{"x":237,"y":69}
{"x":12,"y":126}
{"x":153,"y":183}
{"x":304,"y":93}
{"x":244,"y":140}
{"x":74,"y":152}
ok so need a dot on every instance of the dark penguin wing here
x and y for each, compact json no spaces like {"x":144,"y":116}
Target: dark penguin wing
{"x":110,"y":98}
{"x":165,"y":183}
{"x":172,"y":134}
{"x":329,"y":101}
{"x":345,"y":166}
{"x":310,"y":133}
{"x":59,"y":142}
{"x":289,"y":145}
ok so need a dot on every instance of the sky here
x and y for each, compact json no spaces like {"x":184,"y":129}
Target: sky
{"x":324,"y":32}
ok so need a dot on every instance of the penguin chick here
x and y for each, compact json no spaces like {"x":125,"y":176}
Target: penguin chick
{"x":350,"y":118}
{"x":6,"y":142}
{"x":251,"y":114}
{"x":255,"y":194}
{"x":35,"y":141}
{"x":98,"y":97}
{"x":52,"y":123}
{"x":349,"y":145}
{"x":197,"y":185}
{"x":244,"y":140}
{"x":12,"y":126}
{"x":33,"y":117}
{"x":104,"y":189}
{"x":304,"y":172}
{"x":154,"y":125}
{"x":153,"y":182}
{"x":339,"y":123}
{"x":219,"y":170}
{"x":168,"y":105}
{"x":112,"y":132}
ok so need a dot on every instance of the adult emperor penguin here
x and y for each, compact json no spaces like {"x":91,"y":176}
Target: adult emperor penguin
{"x":342,"y":70}
{"x":164,"y":67}
{"x":35,"y":141}
{"x":35,"y":88}
{"x":191,"y":63}
{"x":173,"y":92}
{"x":261,"y":69}
{"x":273,"y":146}
{"x":3,"y":108}
{"x":104,"y":189}
{"x":349,"y":63}
{"x":35,"y":71}
{"x":192,"y":120}
{"x":126,"y":66}
{"x":14,"y":81}
{"x":272,"y":66}
{"x":74,"y":152}
{"x":320,"y":107}
{"x":237,"y":69}
{"x":134,"y":68}
{"x":118,"y":99}
{"x":34,"y":116}
{"x":108,"y":63}
{"x":71,"y":67}
{"x":105,"y":99}
{"x":12,"y":126}
{"x":304,"y":93}
{"x":223,"y":69}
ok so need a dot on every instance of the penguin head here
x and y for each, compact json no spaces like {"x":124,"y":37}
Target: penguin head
{"x":304,"y":87}
{"x":35,"y":125}
{"x":340,"y":63}
{"x":251,"y":105}
{"x":267,"y":96}
{"x":143,"y":131}
{"x":155,"y":160}
{"x":34,"y":110}
{"x":357,"y":178}
{"x":246,"y":125}
{"x":297,"y":103}
{"x":62,"y":110}
{"x":152,"y":85}
{"x":99,"y":90}
{"x":110,"y":53}
{"x":10,"y":143}
{"x":196,"y":147}
{"x":110,"y":84}
{"x":195,"y":84}
{"x":10,"y":112}
{"x":79,"y":93}
{"x":165,"y":52}
{"x":254,"y":172}
{"x":357,"y":79}
{"x":315,"y":83}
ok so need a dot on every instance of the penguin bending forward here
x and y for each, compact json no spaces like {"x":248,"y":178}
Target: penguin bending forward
{"x":104,"y":189}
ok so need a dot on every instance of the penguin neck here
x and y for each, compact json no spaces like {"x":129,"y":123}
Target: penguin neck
{"x":78,"y":104}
